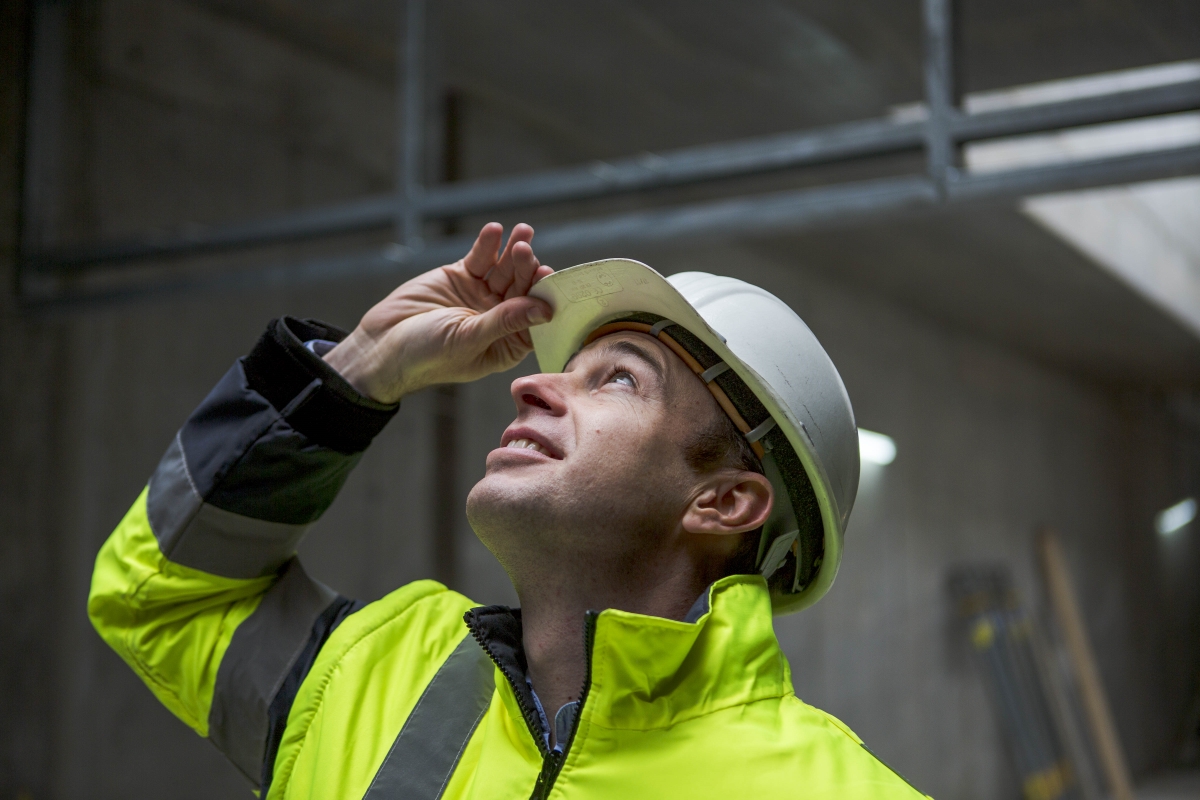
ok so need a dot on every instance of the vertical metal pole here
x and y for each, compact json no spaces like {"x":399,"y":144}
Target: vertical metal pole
{"x":938,"y":23}
{"x":41,"y":163}
{"x":447,"y":502}
{"x":410,"y":82}
{"x":452,"y":148}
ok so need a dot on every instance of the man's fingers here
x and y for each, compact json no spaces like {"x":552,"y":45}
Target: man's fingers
{"x":511,"y":316}
{"x":523,"y":232}
{"x":540,"y":271}
{"x":484,"y":252}
{"x":501,"y":276}
{"x":525,"y":265}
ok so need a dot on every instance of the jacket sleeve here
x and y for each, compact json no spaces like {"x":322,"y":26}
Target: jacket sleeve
{"x":198,"y":588}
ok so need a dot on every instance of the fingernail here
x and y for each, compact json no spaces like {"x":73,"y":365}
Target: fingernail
{"x":536,"y":316}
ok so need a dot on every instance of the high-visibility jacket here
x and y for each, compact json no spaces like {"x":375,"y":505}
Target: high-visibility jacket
{"x":422,"y":694}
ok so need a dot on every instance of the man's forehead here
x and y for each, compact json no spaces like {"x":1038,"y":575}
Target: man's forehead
{"x":632,"y":343}
{"x":677,"y":378}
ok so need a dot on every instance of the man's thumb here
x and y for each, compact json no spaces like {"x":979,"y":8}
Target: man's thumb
{"x":512,"y":316}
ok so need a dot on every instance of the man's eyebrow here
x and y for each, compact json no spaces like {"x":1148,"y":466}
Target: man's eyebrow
{"x":637,"y":351}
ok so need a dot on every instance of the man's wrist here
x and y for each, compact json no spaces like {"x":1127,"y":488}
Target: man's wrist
{"x":354,"y":358}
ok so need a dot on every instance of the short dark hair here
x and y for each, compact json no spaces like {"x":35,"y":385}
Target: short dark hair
{"x":721,"y":445}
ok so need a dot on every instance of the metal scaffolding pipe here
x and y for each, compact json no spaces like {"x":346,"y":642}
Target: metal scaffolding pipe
{"x":777,"y":212}
{"x":640,"y":173}
{"x":410,"y":151}
{"x":940,"y":148}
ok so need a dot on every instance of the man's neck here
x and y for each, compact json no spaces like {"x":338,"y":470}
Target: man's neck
{"x":554,"y":607}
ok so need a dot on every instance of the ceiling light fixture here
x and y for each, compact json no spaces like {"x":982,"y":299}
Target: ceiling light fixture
{"x":876,"y":448}
{"x":1170,"y":520}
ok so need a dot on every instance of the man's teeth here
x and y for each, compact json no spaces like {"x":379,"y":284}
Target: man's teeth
{"x":528,"y":444}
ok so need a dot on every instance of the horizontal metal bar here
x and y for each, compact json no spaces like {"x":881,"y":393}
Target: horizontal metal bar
{"x":648,"y":171}
{"x":688,"y":165}
{"x":754,"y":215}
{"x":351,"y":217}
{"x":47,"y":291}
{"x":758,"y":215}
{"x":1078,"y":175}
{"x":574,"y":183}
{"x":1183,"y":96}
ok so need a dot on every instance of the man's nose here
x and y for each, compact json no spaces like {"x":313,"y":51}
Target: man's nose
{"x":541,"y":391}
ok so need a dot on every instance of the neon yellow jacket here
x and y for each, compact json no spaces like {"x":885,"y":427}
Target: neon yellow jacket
{"x":422,"y":693}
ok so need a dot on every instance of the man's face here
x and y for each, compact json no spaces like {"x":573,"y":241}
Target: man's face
{"x":596,"y":460}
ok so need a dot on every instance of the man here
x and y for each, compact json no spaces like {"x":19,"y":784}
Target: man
{"x":663,"y":488}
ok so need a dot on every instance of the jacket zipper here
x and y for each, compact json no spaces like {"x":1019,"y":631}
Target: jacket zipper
{"x":552,"y":762}
{"x":532,"y":718}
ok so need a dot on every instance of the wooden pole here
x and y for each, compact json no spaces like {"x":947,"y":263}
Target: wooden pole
{"x":1095,"y":702}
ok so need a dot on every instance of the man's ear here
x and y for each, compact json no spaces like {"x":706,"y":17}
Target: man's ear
{"x":729,"y":501}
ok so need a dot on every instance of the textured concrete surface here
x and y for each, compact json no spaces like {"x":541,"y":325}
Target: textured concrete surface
{"x":1174,"y":785}
{"x":1010,"y":384}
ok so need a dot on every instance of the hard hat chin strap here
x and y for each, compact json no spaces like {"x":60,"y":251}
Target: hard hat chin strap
{"x":781,"y":532}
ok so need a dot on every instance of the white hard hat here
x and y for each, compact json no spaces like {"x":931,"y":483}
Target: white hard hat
{"x":767,"y":371}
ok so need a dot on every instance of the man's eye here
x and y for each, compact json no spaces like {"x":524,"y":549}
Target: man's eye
{"x":622,"y":377}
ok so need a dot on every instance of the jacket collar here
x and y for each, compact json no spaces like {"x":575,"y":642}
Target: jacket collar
{"x":649,"y":672}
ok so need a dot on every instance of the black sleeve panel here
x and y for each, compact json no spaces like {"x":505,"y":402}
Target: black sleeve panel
{"x":317,"y":401}
{"x":276,"y":438}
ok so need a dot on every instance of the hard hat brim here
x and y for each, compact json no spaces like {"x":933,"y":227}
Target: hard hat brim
{"x":587,"y":296}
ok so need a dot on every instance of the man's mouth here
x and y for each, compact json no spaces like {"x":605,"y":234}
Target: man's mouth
{"x":529,"y":444}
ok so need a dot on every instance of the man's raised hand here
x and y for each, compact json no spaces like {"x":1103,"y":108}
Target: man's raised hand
{"x":452,"y":324}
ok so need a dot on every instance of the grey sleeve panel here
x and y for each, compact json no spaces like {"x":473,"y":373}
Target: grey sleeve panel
{"x":172,"y":501}
{"x":259,"y":658}
{"x":433,"y":738}
{"x":200,"y":535}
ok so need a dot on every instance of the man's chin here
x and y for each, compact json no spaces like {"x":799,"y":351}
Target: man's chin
{"x":504,"y":486}
{"x":505,"y":504}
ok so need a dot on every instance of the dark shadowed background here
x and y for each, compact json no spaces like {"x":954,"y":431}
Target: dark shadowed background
{"x":1026,"y":378}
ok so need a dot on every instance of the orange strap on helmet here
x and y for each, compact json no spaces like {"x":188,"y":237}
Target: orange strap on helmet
{"x":708,"y":376}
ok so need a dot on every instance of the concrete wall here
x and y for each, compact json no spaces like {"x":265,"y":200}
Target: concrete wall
{"x":991,"y":445}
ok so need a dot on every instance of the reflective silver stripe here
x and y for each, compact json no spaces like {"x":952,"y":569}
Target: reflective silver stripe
{"x":761,"y":431}
{"x":259,"y":657}
{"x":427,"y":750}
{"x":199,"y":535}
{"x":172,"y":501}
{"x":235,"y":546}
{"x":710,"y":374}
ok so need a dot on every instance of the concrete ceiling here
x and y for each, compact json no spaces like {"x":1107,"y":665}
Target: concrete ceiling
{"x":596,"y":81}
{"x":691,"y":72}
{"x":991,"y":271}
